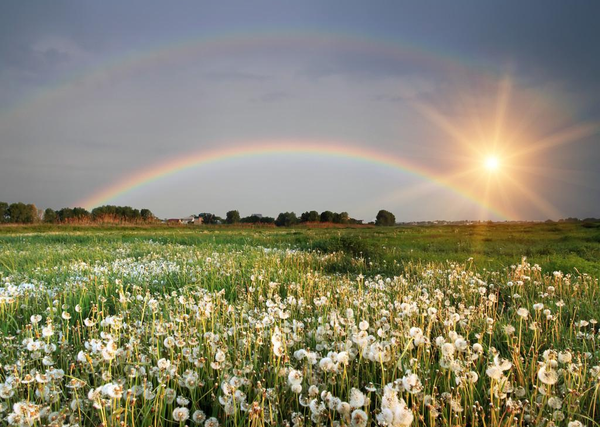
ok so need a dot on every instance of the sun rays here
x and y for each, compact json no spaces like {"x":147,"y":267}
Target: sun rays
{"x":492,"y":157}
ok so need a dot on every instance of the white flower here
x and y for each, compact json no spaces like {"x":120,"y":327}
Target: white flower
{"x":358,"y":418}
{"x":412,"y":383}
{"x":523,"y":312}
{"x":448,"y":349}
{"x":47,"y":331}
{"x":385,"y":417}
{"x":211,"y":422}
{"x":277,"y":341}
{"x":327,"y":365}
{"x":163,"y":364}
{"x":114,"y":391}
{"x":6,"y":391}
{"x":181,"y":414}
{"x":357,"y":398}
{"x":414,"y":331}
{"x":95,"y":394}
{"x":219,"y":356}
{"x":295,"y":377}
{"x":494,"y":372}
{"x":565,"y":357}
{"x":547,"y":376}
{"x":555,"y":402}
{"x":198,"y":416}
{"x":394,"y":411}
{"x":460,"y":344}
{"x":343,"y":358}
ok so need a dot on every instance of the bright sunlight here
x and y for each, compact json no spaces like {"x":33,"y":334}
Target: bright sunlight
{"x":492,"y":163}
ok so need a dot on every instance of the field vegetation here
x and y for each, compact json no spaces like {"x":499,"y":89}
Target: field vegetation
{"x":490,"y":324}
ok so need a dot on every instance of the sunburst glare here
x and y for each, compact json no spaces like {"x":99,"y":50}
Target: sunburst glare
{"x":492,"y":163}
{"x":487,"y":136}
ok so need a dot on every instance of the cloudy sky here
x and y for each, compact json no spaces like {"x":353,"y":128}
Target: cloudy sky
{"x":98,"y":98}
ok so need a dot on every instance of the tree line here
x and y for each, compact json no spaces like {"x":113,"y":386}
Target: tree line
{"x":286,"y":219}
{"x":21,"y":213}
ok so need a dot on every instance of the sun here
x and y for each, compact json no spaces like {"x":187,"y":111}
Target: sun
{"x":492,"y":163}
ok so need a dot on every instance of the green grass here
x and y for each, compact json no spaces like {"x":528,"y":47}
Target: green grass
{"x":562,"y":246}
{"x":416,"y":319}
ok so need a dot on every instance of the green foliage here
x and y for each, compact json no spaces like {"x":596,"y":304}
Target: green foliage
{"x":50,"y":216}
{"x":232,"y":217}
{"x":117,"y":213}
{"x":327,"y":216}
{"x":255,"y":219}
{"x":385,"y":218}
{"x":209,"y":218}
{"x":67,"y":215}
{"x":341,"y":218}
{"x":312,"y":216}
{"x":20,"y":213}
{"x":3,"y":212}
{"x":285,"y":219}
{"x":147,"y":215}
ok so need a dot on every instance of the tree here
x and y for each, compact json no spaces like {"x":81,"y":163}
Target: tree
{"x":208,"y":218}
{"x":81,"y":214}
{"x":22,"y":213}
{"x":312,"y":216}
{"x":385,"y":218}
{"x":252,"y":219}
{"x":285,"y":219}
{"x":3,"y":212}
{"x":255,"y":219}
{"x":73,"y":215}
{"x":64,"y":214}
{"x":327,"y":216}
{"x":49,"y":215}
{"x":147,"y":215}
{"x":233,"y":217}
{"x":341,"y":218}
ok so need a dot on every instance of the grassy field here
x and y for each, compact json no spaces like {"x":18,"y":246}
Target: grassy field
{"x":553,"y":246}
{"x":449,"y":326}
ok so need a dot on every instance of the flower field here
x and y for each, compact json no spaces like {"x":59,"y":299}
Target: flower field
{"x":165,"y":332}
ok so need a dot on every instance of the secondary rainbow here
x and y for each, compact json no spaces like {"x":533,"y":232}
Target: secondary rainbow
{"x":206,"y":46}
{"x":148,"y":175}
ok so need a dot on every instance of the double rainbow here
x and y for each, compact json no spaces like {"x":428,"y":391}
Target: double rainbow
{"x":175,"y":165}
{"x":208,"y":45}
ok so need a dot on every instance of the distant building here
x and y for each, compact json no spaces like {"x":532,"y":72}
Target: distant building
{"x":192,"y":219}
{"x":258,"y":215}
{"x":188,"y":219}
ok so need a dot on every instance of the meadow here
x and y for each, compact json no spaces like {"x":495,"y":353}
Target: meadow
{"x":489,"y":324}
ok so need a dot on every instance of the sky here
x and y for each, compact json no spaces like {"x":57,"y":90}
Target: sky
{"x":270,"y":106}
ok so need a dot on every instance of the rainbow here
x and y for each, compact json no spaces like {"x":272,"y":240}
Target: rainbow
{"x":204,"y":46}
{"x":151,"y":174}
